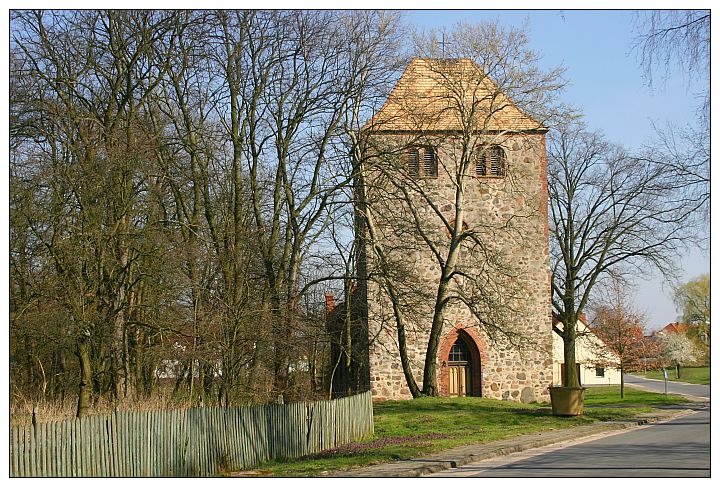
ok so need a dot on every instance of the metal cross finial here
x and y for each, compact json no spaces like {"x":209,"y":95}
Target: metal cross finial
{"x":442,"y":43}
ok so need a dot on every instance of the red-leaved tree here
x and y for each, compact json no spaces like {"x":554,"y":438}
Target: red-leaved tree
{"x":621,"y":328}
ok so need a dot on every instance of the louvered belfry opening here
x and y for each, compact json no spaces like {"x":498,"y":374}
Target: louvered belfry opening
{"x":413,"y":161}
{"x":497,"y":161}
{"x":422,"y":161}
{"x":480,"y":166}
{"x":430,"y":167}
{"x":490,"y":161}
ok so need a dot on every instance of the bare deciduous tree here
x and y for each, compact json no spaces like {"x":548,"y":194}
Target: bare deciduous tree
{"x":172,"y":172}
{"x":669,"y":39}
{"x":609,"y":211}
{"x":94,"y":70}
{"x":666,"y":41}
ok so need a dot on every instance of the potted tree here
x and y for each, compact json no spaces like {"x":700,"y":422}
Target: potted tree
{"x":609,"y":212}
{"x":568,"y":399}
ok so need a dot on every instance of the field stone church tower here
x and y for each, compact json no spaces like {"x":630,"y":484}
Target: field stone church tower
{"x":442,"y":112}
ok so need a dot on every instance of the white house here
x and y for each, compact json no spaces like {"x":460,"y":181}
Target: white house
{"x":586,"y":346}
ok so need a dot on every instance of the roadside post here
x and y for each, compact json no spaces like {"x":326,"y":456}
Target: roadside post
{"x":665,"y":377}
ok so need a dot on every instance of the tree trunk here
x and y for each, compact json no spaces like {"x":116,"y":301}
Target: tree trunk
{"x":119,"y":343}
{"x":622,"y":382}
{"x":405,"y":361}
{"x":350,"y":376}
{"x":83,"y":351}
{"x":571,"y":375}
{"x":430,"y":387}
{"x":59,"y":376}
{"x":282,"y":339}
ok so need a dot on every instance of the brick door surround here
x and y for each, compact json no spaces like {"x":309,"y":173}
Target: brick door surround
{"x":478,"y":352}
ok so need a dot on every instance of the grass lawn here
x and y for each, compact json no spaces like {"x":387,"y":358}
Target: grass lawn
{"x":693,"y":375}
{"x":405,"y":429}
{"x":610,"y":396}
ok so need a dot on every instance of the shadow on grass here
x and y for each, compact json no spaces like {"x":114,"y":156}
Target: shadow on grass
{"x":465,"y":404}
{"x":360,"y":448}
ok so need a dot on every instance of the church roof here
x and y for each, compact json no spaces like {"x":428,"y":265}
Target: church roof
{"x":447,"y":95}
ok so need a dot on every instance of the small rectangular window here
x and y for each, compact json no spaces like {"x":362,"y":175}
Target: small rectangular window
{"x":599,"y":372}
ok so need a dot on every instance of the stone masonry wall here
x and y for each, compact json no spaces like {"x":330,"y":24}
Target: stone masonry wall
{"x":511,"y":214}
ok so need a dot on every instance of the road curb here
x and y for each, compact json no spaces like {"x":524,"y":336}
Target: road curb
{"x":460,"y":456}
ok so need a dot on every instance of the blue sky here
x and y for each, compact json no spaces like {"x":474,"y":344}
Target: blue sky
{"x":607,"y":83}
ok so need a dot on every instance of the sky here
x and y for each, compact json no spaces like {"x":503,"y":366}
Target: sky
{"x":607,"y":84}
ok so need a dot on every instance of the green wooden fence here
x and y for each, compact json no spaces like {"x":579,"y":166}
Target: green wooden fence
{"x":186,"y":442}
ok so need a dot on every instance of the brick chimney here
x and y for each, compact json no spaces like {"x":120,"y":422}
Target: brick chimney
{"x":329,"y":302}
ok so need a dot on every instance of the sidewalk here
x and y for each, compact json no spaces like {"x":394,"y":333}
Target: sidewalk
{"x":472,"y":453}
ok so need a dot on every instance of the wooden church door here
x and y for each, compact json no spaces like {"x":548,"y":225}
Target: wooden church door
{"x":458,"y":380}
{"x":459,"y":369}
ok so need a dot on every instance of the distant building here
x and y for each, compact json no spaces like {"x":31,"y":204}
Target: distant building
{"x":675,"y":327}
{"x":586,"y":347}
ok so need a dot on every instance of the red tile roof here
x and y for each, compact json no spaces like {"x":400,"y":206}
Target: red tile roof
{"x":449,"y":95}
{"x":675,"y":328}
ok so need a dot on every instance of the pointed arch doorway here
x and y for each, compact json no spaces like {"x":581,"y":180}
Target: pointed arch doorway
{"x":463,"y":367}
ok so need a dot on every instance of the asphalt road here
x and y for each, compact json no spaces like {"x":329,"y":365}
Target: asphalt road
{"x":695,"y":391}
{"x":678,"y":448}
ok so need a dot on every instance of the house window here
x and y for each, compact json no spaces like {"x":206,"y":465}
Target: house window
{"x":599,"y":371}
{"x":422,"y":162}
{"x":490,"y":161}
